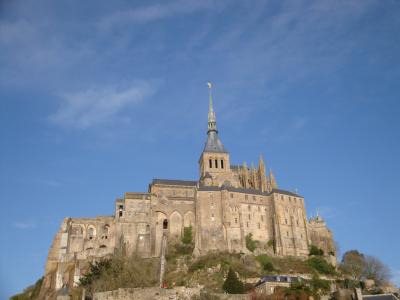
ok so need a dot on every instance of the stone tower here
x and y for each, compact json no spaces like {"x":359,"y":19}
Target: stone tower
{"x":214,"y":161}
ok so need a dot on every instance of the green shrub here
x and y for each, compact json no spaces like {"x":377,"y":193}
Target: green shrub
{"x":187,"y":237}
{"x":251,"y":245}
{"x":321,"y":265}
{"x":30,"y":293}
{"x":319,"y":285}
{"x":314,"y":250}
{"x":232,"y":284}
{"x":265,"y":262}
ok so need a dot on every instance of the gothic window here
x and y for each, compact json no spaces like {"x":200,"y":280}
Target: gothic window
{"x":216,"y":163}
{"x":210,"y":163}
{"x":222,"y":163}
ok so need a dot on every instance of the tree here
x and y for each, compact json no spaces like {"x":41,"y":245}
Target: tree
{"x":250,"y":243}
{"x":232,"y":284}
{"x":353,"y":264}
{"x":375,"y":269}
{"x":314,"y":250}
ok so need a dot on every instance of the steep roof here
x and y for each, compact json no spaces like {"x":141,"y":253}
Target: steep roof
{"x":174,"y":182}
{"x":213,"y":143}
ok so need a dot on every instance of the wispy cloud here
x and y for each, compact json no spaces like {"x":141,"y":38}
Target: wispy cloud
{"x":154,"y":12}
{"x":94,"y":106}
{"x":24,"y":225}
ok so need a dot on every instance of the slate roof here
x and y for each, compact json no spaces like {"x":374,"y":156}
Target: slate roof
{"x":285,"y":192}
{"x":245,"y":191}
{"x":380,"y":297}
{"x":213,"y":143}
{"x":174,"y":182}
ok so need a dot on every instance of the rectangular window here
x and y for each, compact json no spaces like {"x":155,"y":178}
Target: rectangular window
{"x":247,"y":224}
{"x":222,"y":163}
{"x":210,"y":163}
{"x":216,"y":163}
{"x":231,"y":195}
{"x":249,"y":216}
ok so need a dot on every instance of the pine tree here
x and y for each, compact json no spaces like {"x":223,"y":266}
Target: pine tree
{"x":232,"y":284}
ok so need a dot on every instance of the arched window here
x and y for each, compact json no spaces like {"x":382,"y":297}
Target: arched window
{"x":210,"y":163}
{"x":222,"y":163}
{"x":216,"y":163}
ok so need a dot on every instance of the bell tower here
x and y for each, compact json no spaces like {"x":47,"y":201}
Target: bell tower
{"x":214,"y":160}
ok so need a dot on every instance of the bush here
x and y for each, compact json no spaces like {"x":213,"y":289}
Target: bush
{"x":31,"y":292}
{"x":321,"y":265}
{"x":265,"y":262}
{"x":250,"y":243}
{"x":314,"y":250}
{"x":120,"y":272}
{"x":187,"y":237}
{"x":232,"y":284}
{"x":319,"y":285}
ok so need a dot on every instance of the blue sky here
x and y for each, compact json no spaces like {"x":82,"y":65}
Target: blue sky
{"x":100,"y":97}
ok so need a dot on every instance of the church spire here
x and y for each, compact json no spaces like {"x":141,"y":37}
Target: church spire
{"x":212,"y":120}
{"x":273,"y":183}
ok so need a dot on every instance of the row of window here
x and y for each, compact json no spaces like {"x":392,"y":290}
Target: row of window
{"x":210,"y":163}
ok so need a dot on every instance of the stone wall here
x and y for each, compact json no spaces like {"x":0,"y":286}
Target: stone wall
{"x":153,"y":293}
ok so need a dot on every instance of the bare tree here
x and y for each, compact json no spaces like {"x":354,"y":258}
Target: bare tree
{"x":353,"y":264}
{"x":376,"y":270}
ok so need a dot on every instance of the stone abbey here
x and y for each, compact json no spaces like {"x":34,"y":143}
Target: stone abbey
{"x":224,"y":206}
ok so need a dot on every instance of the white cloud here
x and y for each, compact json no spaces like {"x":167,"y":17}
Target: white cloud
{"x":24,"y":225}
{"x":87,"y":108}
{"x":154,"y":12}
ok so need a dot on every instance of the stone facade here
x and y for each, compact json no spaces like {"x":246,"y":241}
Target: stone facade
{"x":225,"y":205}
